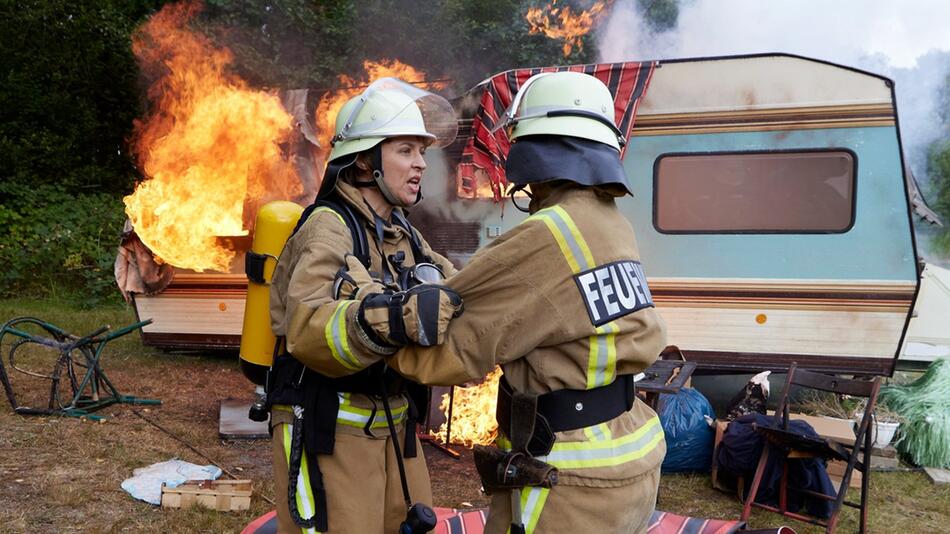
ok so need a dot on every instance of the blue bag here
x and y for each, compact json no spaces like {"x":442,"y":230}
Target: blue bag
{"x":689,"y":438}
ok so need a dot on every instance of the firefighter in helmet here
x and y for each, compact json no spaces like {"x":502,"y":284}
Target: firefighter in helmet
{"x":345,"y":293}
{"x":561,"y":303}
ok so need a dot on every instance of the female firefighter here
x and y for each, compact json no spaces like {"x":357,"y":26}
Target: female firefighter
{"x":344,"y":294}
{"x":561,"y":303}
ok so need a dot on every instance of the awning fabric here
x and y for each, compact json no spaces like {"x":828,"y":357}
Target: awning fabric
{"x":487,"y":152}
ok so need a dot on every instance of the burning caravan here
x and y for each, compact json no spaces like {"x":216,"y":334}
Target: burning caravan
{"x":770,"y":206}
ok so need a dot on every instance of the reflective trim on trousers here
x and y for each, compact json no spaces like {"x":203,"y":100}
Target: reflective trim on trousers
{"x":532,"y":501}
{"x":335,"y":332}
{"x":352,"y":416}
{"x":305,"y":500}
{"x":602,"y":453}
{"x":357,"y":417}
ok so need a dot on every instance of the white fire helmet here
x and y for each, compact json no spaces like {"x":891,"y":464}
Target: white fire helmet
{"x":563,"y":103}
{"x":388,"y":108}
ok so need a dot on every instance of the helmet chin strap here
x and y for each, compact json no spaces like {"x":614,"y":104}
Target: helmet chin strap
{"x":377,"y":168}
{"x":511,"y":194}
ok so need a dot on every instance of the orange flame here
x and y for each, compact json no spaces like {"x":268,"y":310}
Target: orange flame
{"x":331,"y":102}
{"x":210,"y":148}
{"x":473,"y":412}
{"x":563,"y":23}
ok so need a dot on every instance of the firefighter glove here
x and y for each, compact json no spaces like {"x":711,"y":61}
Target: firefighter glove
{"x":418,"y":315}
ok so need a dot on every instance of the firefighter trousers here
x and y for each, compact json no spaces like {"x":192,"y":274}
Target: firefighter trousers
{"x":364,"y":493}
{"x":607,"y":510}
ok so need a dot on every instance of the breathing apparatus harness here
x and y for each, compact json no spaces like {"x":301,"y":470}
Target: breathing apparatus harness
{"x":314,"y":397}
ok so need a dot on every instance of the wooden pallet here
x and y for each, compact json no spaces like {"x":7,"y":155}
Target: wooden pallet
{"x":220,"y":495}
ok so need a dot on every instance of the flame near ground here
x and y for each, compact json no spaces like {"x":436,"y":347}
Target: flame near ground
{"x":210,"y":148}
{"x":473,"y":413}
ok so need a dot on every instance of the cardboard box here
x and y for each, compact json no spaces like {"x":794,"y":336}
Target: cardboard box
{"x":836,"y":472}
{"x":840,"y":430}
{"x":220,"y":495}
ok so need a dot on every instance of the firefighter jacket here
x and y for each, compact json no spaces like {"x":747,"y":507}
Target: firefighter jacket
{"x":559,"y":302}
{"x":320,"y":331}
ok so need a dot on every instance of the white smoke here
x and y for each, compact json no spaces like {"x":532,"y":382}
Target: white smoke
{"x":906,"y":41}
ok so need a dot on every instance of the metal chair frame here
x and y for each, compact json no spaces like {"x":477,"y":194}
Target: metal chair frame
{"x":101,"y":391}
{"x":804,"y":447}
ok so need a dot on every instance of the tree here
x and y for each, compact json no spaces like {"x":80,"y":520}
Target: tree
{"x":939,"y":171}
{"x":660,"y":15}
{"x":70,"y":91}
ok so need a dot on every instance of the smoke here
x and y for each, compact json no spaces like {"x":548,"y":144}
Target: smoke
{"x":905,"y":41}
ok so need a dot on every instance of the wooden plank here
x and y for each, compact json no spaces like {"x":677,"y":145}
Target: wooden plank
{"x":224,"y":495}
{"x":937,"y":475}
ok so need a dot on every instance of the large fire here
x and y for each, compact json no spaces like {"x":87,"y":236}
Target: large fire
{"x":209,"y":148}
{"x":561,"y":22}
{"x":473,"y":412}
{"x":331,"y":102}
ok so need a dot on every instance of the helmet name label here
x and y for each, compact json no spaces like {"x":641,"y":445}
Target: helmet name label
{"x":613,"y":290}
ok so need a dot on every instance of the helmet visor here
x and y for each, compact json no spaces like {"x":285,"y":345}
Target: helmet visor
{"x":391,"y":107}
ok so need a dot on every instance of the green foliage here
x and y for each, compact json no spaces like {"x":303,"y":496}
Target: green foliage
{"x":660,"y":15}
{"x":72,"y":89}
{"x":476,"y":39}
{"x":69,"y":92}
{"x":939,"y":171}
{"x":925,"y":405}
{"x":300,"y":43}
{"x":57,"y":243}
{"x":285,"y":43}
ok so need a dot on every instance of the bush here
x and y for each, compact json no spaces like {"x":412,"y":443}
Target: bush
{"x":58,"y":243}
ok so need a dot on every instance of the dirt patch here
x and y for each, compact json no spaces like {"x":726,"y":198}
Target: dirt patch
{"x":64,"y":473}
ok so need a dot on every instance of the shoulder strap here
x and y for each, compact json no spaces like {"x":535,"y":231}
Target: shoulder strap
{"x":414,"y":241}
{"x":360,"y":244}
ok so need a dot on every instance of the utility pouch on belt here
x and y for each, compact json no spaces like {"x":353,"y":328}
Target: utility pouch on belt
{"x":530,"y":436}
{"x":500,"y":470}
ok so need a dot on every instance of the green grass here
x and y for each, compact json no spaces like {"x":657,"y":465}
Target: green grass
{"x":64,"y":473}
{"x":900,"y":501}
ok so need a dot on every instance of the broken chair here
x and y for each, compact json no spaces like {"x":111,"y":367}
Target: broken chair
{"x":71,"y":364}
{"x":797,"y":446}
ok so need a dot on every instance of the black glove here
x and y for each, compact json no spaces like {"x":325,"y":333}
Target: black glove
{"x":418,"y":315}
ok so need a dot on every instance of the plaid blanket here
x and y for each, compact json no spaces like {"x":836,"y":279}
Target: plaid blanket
{"x":628,"y":83}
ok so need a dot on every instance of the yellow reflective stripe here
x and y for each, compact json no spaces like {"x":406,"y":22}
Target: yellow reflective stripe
{"x":532,"y":501}
{"x":598,"y":432}
{"x":357,"y":417}
{"x":325,"y":209}
{"x":568,"y":237}
{"x":561,"y":242}
{"x":602,"y":359}
{"x":605,"y":453}
{"x":585,"y":250}
{"x":608,"y":453}
{"x":304,"y":494}
{"x":335,"y":333}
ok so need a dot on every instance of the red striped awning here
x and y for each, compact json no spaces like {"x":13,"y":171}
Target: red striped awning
{"x":487,"y":152}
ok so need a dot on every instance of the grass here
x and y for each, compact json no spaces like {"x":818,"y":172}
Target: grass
{"x":64,"y":474}
{"x":905,"y":501}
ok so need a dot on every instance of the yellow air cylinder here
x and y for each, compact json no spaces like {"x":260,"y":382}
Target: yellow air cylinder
{"x":275,"y":222}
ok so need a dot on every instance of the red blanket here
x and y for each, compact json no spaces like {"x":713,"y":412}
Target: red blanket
{"x":628,"y":83}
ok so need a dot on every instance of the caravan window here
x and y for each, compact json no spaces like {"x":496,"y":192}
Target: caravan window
{"x":755,"y":192}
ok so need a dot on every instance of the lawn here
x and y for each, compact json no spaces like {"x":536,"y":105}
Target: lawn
{"x":64,"y":474}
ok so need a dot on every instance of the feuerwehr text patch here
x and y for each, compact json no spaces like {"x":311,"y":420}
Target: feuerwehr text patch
{"x":613,"y":290}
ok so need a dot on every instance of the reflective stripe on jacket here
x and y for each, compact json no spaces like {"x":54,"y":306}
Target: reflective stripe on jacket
{"x":317,"y":328}
{"x":560,"y":302}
